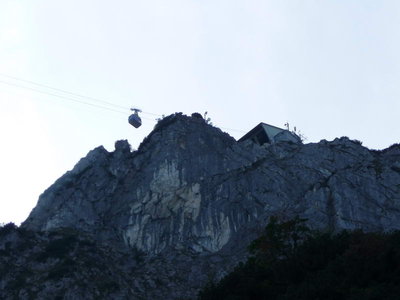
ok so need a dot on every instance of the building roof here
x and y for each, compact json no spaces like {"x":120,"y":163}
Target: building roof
{"x":270,"y":130}
{"x":265,"y":133}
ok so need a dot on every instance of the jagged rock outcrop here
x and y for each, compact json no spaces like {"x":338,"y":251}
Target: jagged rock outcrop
{"x":191,"y":198}
{"x":63,"y":264}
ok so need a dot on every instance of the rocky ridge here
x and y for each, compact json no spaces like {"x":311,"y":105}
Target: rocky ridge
{"x":191,"y":198}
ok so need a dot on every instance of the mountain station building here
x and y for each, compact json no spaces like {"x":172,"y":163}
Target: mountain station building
{"x":268,"y":134}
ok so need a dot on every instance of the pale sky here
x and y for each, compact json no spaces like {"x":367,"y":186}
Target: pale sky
{"x":330,"y":68}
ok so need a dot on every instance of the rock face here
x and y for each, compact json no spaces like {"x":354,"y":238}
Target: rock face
{"x":191,"y":198}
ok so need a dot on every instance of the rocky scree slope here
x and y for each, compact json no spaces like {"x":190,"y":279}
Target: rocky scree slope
{"x":191,"y":198}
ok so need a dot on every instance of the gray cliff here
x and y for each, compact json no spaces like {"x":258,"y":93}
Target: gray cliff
{"x":191,"y":198}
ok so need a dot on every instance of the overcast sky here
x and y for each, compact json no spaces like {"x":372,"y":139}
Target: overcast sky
{"x":330,"y":68}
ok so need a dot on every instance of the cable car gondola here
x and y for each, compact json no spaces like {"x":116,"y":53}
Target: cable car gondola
{"x":134,"y":118}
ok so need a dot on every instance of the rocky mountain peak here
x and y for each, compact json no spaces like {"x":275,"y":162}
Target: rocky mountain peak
{"x":191,"y":197}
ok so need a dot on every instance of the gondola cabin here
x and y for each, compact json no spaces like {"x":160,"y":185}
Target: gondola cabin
{"x":134,"y":119}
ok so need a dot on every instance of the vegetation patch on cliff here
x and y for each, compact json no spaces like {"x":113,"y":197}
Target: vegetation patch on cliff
{"x":289,"y":261}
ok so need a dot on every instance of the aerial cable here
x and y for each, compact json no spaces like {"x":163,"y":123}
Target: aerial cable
{"x":152,"y":114}
{"x":74,"y":94}
{"x":66,"y":92}
{"x":237,"y":130}
{"x":63,"y":97}
{"x":81,"y":96}
{"x":70,"y":99}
